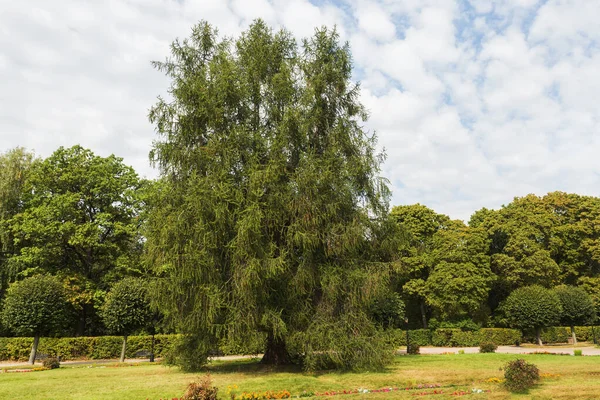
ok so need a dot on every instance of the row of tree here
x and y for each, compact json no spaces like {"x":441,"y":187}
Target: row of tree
{"x":451,"y":271}
{"x":270,"y":216}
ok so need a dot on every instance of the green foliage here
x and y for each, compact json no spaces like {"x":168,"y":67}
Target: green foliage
{"x":413,"y":348}
{"x":341,"y":344}
{"x":458,"y":289}
{"x":51,"y":363}
{"x":592,"y":288}
{"x":500,"y":336}
{"x":454,"y":337}
{"x":577,"y":352}
{"x":270,"y":214}
{"x":78,"y":219}
{"x":95,"y":348}
{"x":532,"y":307}
{"x":15,"y":166}
{"x":577,"y":306}
{"x":127,"y":306}
{"x":388,"y":310}
{"x":35,"y":306}
{"x":488,"y":347}
{"x":465,"y":324}
{"x":520,"y":375}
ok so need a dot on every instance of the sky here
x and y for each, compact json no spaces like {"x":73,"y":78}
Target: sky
{"x":474,"y":101}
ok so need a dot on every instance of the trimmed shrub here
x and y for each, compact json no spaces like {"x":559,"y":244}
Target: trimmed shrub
{"x":51,"y":363}
{"x":413,"y":348}
{"x":500,"y":336}
{"x":422,"y":337}
{"x":465,"y":338}
{"x":520,"y":375}
{"x":577,"y":352}
{"x":556,"y":334}
{"x":488,"y":347}
{"x":95,"y":348}
{"x":443,"y":337}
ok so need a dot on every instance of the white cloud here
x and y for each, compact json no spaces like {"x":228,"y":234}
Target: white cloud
{"x":374,"y":21}
{"x":474,"y":104}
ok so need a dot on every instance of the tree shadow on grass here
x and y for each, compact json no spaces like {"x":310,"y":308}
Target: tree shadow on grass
{"x":255,"y":367}
{"x":249,"y":367}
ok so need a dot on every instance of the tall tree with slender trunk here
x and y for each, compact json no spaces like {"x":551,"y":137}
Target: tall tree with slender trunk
{"x":127,"y":309}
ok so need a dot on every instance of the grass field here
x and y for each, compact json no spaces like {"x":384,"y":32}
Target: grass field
{"x":574,"y":377}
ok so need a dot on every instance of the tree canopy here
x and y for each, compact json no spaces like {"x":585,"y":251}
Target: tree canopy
{"x":78,"y":219}
{"x":533,"y":307}
{"x":272,"y":215}
{"x":15,"y":166}
{"x":577,"y":307}
{"x":36,"y":306}
{"x":127,"y":308}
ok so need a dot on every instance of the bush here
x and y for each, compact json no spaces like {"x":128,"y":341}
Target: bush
{"x":51,"y":363}
{"x":413,"y":348}
{"x":500,"y":336}
{"x":200,"y":391}
{"x":577,"y":352}
{"x":443,"y":337}
{"x":520,"y":375}
{"x":556,"y":334}
{"x":488,"y":347}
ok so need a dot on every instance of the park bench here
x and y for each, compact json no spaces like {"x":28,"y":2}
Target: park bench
{"x":142,"y":354}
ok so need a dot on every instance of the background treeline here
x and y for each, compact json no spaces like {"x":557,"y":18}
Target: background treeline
{"x":81,"y":218}
{"x":452,"y":273}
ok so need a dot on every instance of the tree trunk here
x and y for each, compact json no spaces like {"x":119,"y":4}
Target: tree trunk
{"x":36,"y":341}
{"x":423,"y":314}
{"x":276,"y":352}
{"x":152,"y":349}
{"x":538,"y":335}
{"x":81,"y":323}
{"x":122,"y":359}
{"x":573,"y":335}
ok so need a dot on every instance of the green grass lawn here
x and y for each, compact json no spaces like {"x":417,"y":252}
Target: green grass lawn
{"x":579,"y":377}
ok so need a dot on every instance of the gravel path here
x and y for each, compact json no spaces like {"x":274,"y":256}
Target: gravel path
{"x":6,"y":364}
{"x":586,"y":351}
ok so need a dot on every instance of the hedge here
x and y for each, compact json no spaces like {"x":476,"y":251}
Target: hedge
{"x":456,"y":337}
{"x":109,"y":347}
{"x":561,"y":334}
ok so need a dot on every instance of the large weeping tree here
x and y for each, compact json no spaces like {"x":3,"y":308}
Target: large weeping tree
{"x":270,"y":215}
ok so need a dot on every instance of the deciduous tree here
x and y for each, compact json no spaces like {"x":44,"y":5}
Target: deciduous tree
{"x":79,"y":219}
{"x":36,"y":306}
{"x":577,"y":307}
{"x":533,"y":307}
{"x":127,"y":308}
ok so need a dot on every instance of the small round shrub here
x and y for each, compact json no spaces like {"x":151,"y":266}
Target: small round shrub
{"x":520,"y":375}
{"x":578,"y":352}
{"x":51,"y":363}
{"x":413,"y":348}
{"x":488,"y":347}
{"x":201,"y":391}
